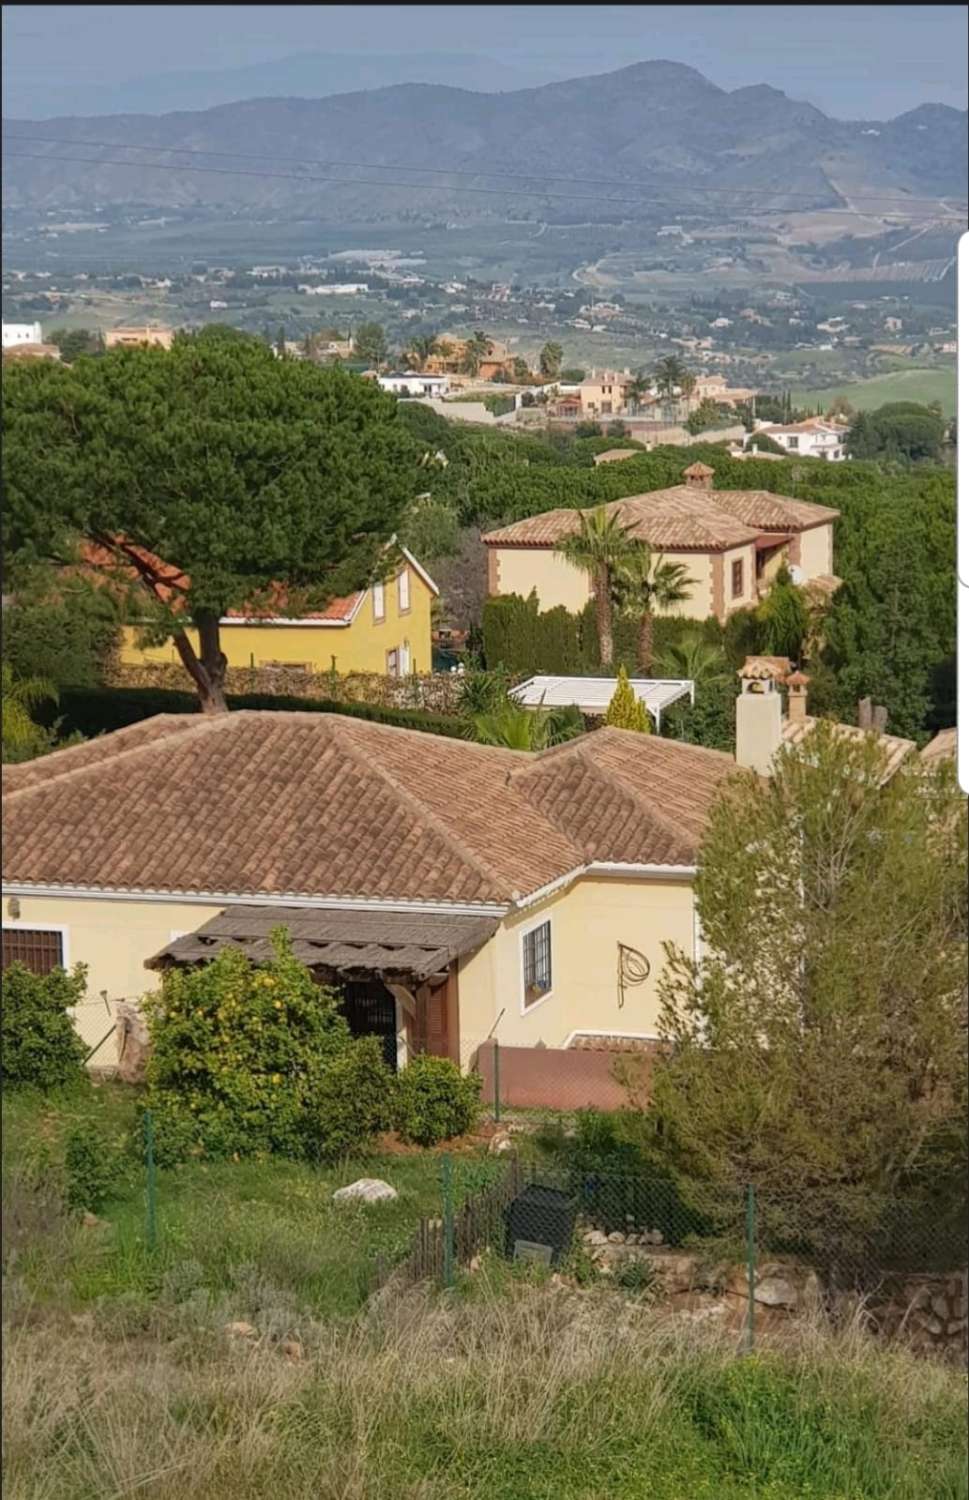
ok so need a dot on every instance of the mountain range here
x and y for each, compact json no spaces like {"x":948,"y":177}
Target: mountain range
{"x":396,"y":152}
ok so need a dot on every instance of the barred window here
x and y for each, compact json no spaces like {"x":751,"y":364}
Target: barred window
{"x":537,"y":963}
{"x":37,"y":950}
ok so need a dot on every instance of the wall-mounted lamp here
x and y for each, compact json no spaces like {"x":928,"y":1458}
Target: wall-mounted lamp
{"x":13,"y":906}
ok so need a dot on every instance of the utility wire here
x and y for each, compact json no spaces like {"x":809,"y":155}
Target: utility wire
{"x":435,"y":171}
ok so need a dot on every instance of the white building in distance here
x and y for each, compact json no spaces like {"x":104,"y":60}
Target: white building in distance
{"x":21,"y":333}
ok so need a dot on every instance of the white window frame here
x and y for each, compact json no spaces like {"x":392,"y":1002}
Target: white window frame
{"x":403,"y":592}
{"x":524,"y":1008}
{"x":379,"y":603}
{"x":59,"y":927}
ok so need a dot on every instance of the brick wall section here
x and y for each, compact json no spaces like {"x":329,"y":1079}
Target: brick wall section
{"x":554,"y":1078}
{"x":437,"y":692}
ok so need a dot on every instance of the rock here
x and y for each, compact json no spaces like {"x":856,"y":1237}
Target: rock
{"x":933,"y":1326}
{"x":292,"y":1349}
{"x":940,"y":1306}
{"x":133,"y":1043}
{"x":958,"y":1325}
{"x":366,"y":1190}
{"x":595,"y":1237}
{"x":812,"y":1292}
{"x":655,"y":1237}
{"x":241,"y":1331}
{"x":617,"y":1237}
{"x":775,"y":1291}
{"x":500,"y":1144}
{"x":960,"y":1307}
{"x":920,"y":1299}
{"x":474,"y":1263}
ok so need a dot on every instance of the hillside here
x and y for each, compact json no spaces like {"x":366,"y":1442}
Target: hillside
{"x":654,"y":125}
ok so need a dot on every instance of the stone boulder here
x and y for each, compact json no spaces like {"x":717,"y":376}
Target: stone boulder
{"x":366,"y":1190}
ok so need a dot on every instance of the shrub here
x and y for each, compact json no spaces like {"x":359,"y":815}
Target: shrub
{"x":435,"y":1100}
{"x":41,"y":1046}
{"x":239,"y":1055}
{"x":90,"y":1168}
{"x":356,"y":1099}
{"x":625,"y":710}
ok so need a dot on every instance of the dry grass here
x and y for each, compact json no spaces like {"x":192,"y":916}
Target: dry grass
{"x":514,"y":1392}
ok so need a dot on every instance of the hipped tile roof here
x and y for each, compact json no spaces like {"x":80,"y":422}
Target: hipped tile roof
{"x":305,"y":804}
{"x":684,"y":516}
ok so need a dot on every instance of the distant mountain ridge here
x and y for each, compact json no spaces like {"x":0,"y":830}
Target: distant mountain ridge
{"x":650,"y":126}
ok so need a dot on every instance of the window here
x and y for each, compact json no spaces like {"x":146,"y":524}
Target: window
{"x":379,"y":607}
{"x":37,"y":949}
{"x":537,"y":963}
{"x":403,"y":592}
{"x":792,"y":442}
{"x":393,"y":669}
{"x":737,"y":578}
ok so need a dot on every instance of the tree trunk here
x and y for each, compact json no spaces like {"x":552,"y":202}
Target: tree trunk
{"x":207,"y":668}
{"x":603,"y":615}
{"x":646,"y":642}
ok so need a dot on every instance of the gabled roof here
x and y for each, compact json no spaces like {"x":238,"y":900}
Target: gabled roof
{"x":683,"y":516}
{"x":943,"y":746}
{"x":323,"y":806}
{"x":893,"y":747}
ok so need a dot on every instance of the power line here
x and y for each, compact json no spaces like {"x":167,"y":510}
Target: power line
{"x":438,"y":172}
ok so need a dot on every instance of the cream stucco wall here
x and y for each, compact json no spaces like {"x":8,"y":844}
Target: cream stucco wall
{"x":748,"y":556}
{"x":113,"y":938}
{"x":361,"y":646}
{"x":588,"y":921}
{"x":699,"y":567}
{"x":556,"y":581}
{"x":817,"y":550}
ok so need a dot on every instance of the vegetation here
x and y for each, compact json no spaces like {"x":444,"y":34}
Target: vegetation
{"x":370,"y":344}
{"x":516,"y":728}
{"x":550,"y":360}
{"x":901,"y":430}
{"x":215,"y":471}
{"x":599,"y":546}
{"x":435,"y":1100}
{"x":784,"y":618}
{"x":357,"y":1102}
{"x":625,"y":710}
{"x":818,"y":1045}
{"x":60,"y":628}
{"x":41,"y":1048}
{"x":644,"y":582}
{"x":22,"y":739}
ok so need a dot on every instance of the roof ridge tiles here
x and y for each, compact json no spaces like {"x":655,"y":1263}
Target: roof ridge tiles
{"x":193,"y":729}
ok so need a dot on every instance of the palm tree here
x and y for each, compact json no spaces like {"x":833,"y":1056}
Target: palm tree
{"x":517,"y":728}
{"x":421,"y":349}
{"x":19,"y":696}
{"x":646,"y":582}
{"x":599,"y":547}
{"x":638,"y":387}
{"x":694,"y":659}
{"x":669,"y":375}
{"x":477,"y":348}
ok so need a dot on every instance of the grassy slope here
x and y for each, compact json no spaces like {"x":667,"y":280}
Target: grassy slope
{"x":903,"y":385}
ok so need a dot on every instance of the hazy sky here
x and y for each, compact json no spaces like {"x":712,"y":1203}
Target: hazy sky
{"x":853,"y":61}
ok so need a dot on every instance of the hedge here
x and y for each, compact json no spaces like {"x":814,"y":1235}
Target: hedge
{"x":93,"y":711}
{"x":526,"y":640}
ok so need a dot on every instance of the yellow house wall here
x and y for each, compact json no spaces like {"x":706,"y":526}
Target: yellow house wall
{"x":748,"y":556}
{"x":588,"y":921}
{"x":113,"y":938}
{"x":361,"y":646}
{"x":699,"y":567}
{"x":521,"y":569}
{"x":817,"y":551}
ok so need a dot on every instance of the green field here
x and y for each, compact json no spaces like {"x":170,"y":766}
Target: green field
{"x":905,"y":385}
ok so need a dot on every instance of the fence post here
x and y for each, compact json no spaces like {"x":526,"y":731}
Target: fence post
{"x":751,"y":1264}
{"x":447,"y":1219}
{"x":497,"y":1082}
{"x":150,"y":1219}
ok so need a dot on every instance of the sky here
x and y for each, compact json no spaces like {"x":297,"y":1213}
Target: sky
{"x":852,"y":61}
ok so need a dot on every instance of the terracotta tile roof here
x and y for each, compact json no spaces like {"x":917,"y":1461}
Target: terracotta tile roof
{"x":340,"y":807}
{"x":895,"y":749}
{"x":681,"y":517}
{"x":943,"y":747}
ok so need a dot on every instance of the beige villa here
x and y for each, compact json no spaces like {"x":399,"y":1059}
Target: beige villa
{"x":732,"y":543}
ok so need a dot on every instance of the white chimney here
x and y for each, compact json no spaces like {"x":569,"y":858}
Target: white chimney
{"x":760,"y":716}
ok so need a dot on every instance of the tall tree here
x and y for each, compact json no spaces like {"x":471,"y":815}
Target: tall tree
{"x":422,"y":348}
{"x":625,"y":710}
{"x":638,"y":387}
{"x":599,"y":546}
{"x":784,"y":617}
{"x":550,"y":360}
{"x":370,"y":344}
{"x":476,"y":349}
{"x":22,"y":738}
{"x":219,"y":475}
{"x":819,"y":1042}
{"x":645,"y":581}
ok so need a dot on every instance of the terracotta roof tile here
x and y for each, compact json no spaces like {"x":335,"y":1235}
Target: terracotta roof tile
{"x":894,"y":748}
{"x":304,"y":804}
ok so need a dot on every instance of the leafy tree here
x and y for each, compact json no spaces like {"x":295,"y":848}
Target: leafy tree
{"x":599,"y":546}
{"x":638,"y":387}
{"x":60,"y":628}
{"x":22,"y":738}
{"x":673,"y":378}
{"x":214,"y":471}
{"x":764,"y":443}
{"x":707,"y":416}
{"x":476,"y":349}
{"x":900,"y":430}
{"x":625,"y":710}
{"x":784,"y":618}
{"x":818,"y":1046}
{"x":574,"y":375}
{"x":422,"y":348}
{"x":617,"y":428}
{"x":644,"y":582}
{"x":430,"y":529}
{"x":521,"y":370}
{"x":550,"y":360}
{"x":41,"y":1047}
{"x":370,"y":344}
{"x":73,"y":342}
{"x":588,"y":429}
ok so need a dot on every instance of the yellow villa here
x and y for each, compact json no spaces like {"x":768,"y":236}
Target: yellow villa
{"x":731,"y":542}
{"x":383,"y":629}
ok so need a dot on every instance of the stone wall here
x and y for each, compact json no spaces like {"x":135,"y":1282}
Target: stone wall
{"x":928,"y":1312}
{"x":436,"y":692}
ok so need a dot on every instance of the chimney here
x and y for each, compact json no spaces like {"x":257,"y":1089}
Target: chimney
{"x":698,"y":477}
{"x":797,"y":686}
{"x":759,"y":711}
{"x":879,"y":719}
{"x":864,"y":713}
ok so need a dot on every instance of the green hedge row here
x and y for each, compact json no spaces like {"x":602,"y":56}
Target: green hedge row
{"x":523,"y":638}
{"x":93,"y":711}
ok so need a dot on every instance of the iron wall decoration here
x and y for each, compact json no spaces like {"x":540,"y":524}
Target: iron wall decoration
{"x":632,"y":969}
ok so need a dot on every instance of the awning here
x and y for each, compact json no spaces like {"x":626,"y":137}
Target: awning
{"x":770,"y":539}
{"x":347,"y":943}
